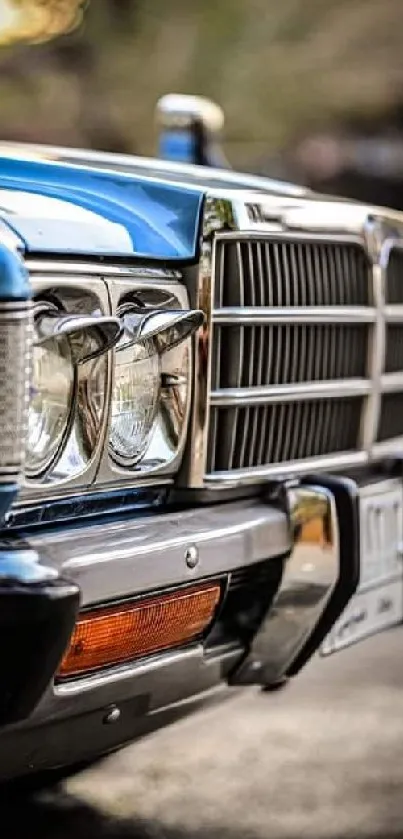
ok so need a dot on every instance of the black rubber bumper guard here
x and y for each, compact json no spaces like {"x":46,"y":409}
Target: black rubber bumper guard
{"x":38,"y":610}
{"x":312,"y":594}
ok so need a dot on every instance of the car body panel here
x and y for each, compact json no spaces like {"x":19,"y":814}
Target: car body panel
{"x":78,"y":210}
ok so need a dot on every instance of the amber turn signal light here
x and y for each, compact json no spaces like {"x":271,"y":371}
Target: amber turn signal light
{"x":125,"y":632}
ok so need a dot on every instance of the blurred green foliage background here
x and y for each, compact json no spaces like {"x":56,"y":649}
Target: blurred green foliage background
{"x":281,"y":69}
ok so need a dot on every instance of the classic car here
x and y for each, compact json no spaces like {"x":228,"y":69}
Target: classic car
{"x":201,"y":435}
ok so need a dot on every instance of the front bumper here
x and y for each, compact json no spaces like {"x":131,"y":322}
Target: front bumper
{"x":297,"y":529}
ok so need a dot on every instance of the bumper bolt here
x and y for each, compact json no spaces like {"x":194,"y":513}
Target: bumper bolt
{"x":112,"y":715}
{"x":192,"y":556}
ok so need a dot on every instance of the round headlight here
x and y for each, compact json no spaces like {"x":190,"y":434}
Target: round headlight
{"x":135,"y":400}
{"x":51,"y":401}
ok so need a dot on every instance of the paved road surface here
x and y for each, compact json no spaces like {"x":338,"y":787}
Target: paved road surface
{"x":322,"y":759}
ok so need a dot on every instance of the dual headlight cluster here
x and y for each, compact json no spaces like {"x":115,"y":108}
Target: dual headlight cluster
{"x":92,"y":410}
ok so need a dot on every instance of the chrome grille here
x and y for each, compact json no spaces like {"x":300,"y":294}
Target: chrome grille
{"x":291,"y":355}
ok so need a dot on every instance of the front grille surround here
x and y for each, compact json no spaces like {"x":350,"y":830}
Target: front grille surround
{"x":322,"y":357}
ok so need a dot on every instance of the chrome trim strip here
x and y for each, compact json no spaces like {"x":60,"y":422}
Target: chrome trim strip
{"x":135,"y":556}
{"x":388,"y":447}
{"x":310,"y":235}
{"x":294,"y":314}
{"x":218,"y":215}
{"x":117,"y":676}
{"x":392,"y":382}
{"x":102,"y":270}
{"x":256,"y":474}
{"x":29,"y":501}
{"x":393,"y":313}
{"x":162,"y":680}
{"x":376,"y":347}
{"x":14,"y":309}
{"x":291,"y":392}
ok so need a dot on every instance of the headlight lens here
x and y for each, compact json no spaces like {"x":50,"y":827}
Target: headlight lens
{"x":52,"y":393}
{"x":135,"y":400}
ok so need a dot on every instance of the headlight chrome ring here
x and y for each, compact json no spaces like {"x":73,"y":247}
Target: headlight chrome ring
{"x":52,"y":399}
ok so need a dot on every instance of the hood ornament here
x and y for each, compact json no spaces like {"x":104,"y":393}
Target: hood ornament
{"x":190,"y":130}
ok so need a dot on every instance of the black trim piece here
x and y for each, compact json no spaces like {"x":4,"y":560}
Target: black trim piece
{"x":345,"y":493}
{"x":38,"y":610}
{"x":106,"y":504}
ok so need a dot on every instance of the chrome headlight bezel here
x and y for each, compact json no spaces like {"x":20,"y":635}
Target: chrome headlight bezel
{"x":45,"y":465}
{"x":163,"y":454}
{"x":110,"y":286}
{"x":78,"y":295}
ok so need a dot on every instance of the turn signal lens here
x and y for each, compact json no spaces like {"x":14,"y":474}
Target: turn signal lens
{"x":120,"y":634}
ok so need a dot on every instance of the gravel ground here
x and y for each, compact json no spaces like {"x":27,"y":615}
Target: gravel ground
{"x":321,"y":759}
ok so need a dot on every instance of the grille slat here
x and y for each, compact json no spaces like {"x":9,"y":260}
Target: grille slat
{"x":272,"y":275}
{"x":317,"y":272}
{"x":394,"y":285}
{"x":311,"y":432}
{"x":290,"y":353}
{"x":391,"y":420}
{"x":394,"y":348}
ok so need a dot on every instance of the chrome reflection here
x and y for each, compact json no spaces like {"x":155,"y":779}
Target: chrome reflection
{"x":70,"y":321}
{"x":166,"y":329}
{"x":310,"y":574}
{"x":134,"y":399}
{"x":89,"y":337}
{"x":218,"y":216}
{"x":52,"y":396}
{"x":151,"y":391}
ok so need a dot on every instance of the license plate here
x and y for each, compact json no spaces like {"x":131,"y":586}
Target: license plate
{"x":378,"y":602}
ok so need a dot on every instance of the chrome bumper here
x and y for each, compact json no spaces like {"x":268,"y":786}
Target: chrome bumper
{"x":306,"y":524}
{"x":117,"y":560}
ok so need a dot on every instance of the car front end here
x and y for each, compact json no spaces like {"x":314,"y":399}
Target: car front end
{"x":200,"y":473}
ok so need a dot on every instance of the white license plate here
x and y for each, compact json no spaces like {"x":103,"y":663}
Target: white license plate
{"x":378,"y":603}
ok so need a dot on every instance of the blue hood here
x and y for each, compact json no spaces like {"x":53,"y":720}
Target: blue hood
{"x":77,"y":210}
